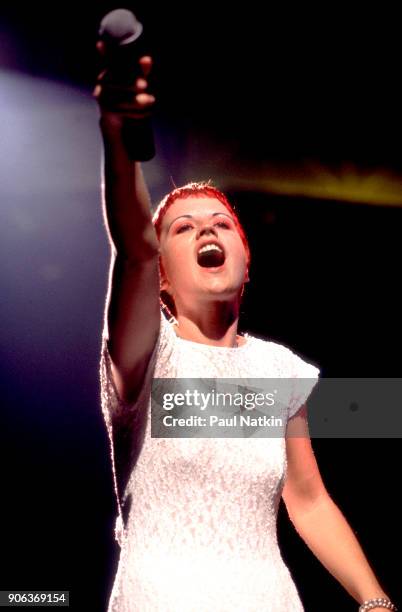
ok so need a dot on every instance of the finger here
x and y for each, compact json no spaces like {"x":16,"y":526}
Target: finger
{"x":96,"y":92}
{"x":140,"y":85}
{"x":146,"y":64}
{"x":143,"y":99}
{"x":100,"y":47}
{"x":101,"y":76}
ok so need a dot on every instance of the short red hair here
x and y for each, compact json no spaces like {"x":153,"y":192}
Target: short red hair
{"x":198,"y":190}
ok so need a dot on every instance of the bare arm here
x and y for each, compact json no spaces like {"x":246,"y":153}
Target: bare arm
{"x":133,"y":314}
{"x":318,"y":519}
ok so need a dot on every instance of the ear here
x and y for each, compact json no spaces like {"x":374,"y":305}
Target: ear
{"x":164,"y":283}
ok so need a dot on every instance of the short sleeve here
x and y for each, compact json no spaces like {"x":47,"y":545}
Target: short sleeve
{"x":306,"y":376}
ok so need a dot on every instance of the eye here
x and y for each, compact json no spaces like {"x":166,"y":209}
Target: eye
{"x":223,"y":224}
{"x":183,"y":228}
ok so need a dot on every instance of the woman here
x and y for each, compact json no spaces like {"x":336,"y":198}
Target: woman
{"x":197,"y":517}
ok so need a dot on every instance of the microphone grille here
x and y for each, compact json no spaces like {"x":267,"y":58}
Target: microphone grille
{"x":120,"y":27}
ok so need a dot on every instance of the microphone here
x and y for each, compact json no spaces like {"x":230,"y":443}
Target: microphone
{"x":123,"y":38}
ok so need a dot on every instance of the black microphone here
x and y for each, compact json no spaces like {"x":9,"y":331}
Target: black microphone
{"x":124,"y":43}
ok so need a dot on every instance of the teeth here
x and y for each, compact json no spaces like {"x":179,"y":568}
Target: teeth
{"x":210,"y":247}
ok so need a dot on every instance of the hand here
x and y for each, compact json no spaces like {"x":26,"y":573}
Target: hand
{"x":117,"y":101}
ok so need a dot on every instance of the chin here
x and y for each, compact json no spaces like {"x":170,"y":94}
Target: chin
{"x":223,"y":293}
{"x":223,"y":285}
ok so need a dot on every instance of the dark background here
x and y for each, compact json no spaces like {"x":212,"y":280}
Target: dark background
{"x":265,"y":87}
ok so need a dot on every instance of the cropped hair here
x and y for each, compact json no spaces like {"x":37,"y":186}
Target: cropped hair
{"x":194,"y":189}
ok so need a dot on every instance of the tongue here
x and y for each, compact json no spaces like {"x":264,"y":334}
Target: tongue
{"x":210,"y":259}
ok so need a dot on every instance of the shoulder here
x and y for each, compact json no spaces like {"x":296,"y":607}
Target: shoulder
{"x":300,"y":376}
{"x":286,"y":361}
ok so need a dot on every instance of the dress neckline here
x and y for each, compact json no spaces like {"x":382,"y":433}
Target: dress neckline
{"x":245,"y":344}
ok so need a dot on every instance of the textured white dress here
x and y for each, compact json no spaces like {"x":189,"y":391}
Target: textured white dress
{"x":197,"y":517}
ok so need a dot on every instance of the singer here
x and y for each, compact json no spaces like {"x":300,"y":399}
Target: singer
{"x":197,"y":517}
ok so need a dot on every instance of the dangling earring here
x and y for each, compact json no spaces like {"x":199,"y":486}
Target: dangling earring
{"x":167,"y":305}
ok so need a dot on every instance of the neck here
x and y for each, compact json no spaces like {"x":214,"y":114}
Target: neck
{"x":215,"y":324}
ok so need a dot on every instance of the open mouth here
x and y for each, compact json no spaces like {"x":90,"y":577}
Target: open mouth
{"x":211,"y":255}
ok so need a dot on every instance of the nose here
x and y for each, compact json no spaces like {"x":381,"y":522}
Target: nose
{"x":207,"y":229}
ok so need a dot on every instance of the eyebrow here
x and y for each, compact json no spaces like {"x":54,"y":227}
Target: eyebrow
{"x":191,"y":217}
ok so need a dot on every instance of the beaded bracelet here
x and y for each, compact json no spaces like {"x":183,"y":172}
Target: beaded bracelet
{"x":379,"y":602}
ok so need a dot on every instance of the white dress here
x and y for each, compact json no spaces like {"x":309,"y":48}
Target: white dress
{"x":197,"y":517}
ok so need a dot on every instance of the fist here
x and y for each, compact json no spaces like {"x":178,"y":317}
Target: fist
{"x":125,"y":100}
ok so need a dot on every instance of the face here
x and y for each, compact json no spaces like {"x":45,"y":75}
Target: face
{"x":203,"y":256}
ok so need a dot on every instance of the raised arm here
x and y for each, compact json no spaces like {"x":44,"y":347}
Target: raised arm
{"x":133,"y":314}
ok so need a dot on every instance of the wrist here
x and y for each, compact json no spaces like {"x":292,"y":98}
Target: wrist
{"x":110,"y":124}
{"x":379,"y":603}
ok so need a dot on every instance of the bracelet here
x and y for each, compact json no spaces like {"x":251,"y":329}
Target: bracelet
{"x":379,"y":602}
